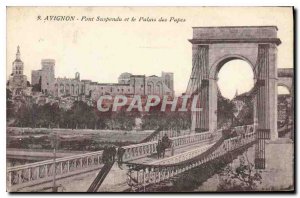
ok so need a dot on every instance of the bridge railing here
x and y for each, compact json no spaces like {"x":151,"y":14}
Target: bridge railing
{"x":144,"y":149}
{"x":159,"y":133}
{"x":244,"y":129}
{"x":190,"y":139}
{"x":142,"y":175}
{"x":38,"y":172}
{"x":183,"y":156}
{"x":171,"y":133}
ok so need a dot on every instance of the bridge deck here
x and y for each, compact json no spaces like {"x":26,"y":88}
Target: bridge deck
{"x":115,"y":180}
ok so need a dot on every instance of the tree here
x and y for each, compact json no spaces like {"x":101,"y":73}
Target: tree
{"x":245,"y":117}
{"x":9,"y":105}
{"x":226,"y":110}
{"x":244,"y":177}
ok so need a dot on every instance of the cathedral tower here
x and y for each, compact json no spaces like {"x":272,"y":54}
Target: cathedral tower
{"x":18,"y":65}
{"x":17,"y":80}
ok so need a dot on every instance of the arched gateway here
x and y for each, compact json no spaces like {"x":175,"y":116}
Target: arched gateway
{"x":212,"y":48}
{"x":285,"y":78}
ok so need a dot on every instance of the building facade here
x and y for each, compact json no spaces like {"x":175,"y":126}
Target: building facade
{"x":128,"y":84}
{"x":17,"y":81}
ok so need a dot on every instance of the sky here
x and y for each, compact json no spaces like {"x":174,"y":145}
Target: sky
{"x":101,"y":51}
{"x":242,"y":82}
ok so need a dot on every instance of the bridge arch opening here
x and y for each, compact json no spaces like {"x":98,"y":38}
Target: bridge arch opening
{"x":234,"y":76}
{"x":234,"y":79}
{"x":283,"y":89}
{"x":284,"y":111}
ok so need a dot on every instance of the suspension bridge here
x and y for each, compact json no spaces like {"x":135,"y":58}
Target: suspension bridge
{"x":204,"y":145}
{"x":141,"y":166}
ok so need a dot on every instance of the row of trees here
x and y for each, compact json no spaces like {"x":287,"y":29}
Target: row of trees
{"x":227,"y":109}
{"x":82,"y":115}
{"x":167,"y":120}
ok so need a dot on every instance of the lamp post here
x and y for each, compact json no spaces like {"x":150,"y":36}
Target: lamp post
{"x":54,"y":145}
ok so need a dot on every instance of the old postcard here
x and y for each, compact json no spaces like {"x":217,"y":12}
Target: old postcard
{"x":150,"y":99}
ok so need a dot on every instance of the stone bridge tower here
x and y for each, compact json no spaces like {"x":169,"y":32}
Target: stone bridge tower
{"x":215,"y":46}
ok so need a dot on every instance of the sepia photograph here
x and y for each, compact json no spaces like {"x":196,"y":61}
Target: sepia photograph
{"x":150,"y":99}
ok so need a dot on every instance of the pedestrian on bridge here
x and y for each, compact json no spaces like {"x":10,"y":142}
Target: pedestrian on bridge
{"x":166,"y":143}
{"x":120,"y":153}
{"x":112,"y":152}
{"x":105,"y":155}
{"x":172,"y":149}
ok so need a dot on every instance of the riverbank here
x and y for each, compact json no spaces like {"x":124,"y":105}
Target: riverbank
{"x":26,"y":145}
{"x":278,"y":174}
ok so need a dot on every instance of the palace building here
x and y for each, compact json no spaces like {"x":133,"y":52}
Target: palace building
{"x":128,"y":84}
